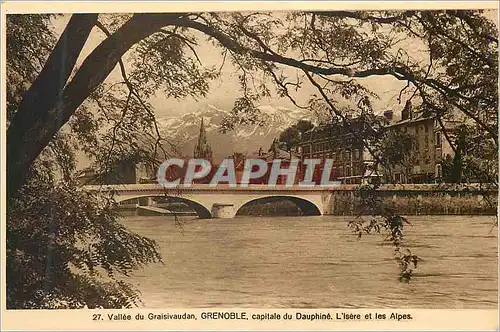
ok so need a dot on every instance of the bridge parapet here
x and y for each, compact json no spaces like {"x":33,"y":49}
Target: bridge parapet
{"x":283,"y":188}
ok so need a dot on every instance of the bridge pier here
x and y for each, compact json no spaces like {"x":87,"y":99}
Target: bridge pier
{"x":328,"y":203}
{"x":223,"y":211}
{"x":145,"y":201}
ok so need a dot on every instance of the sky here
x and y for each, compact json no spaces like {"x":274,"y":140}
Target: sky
{"x":224,"y":90}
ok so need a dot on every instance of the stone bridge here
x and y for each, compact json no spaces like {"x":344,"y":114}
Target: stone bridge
{"x":222,"y":201}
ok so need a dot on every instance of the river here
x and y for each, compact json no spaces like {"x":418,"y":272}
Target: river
{"x":316,"y":262}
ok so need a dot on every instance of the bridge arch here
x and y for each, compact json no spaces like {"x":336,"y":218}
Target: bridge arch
{"x":308,"y":207}
{"x":202,"y":211}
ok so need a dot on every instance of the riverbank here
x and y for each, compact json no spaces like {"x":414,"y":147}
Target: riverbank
{"x":345,"y":205}
{"x":422,"y":205}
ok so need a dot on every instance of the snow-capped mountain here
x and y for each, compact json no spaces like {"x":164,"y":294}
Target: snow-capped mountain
{"x":183,"y":131}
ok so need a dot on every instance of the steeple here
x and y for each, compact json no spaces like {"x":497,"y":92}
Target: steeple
{"x":202,"y":149}
{"x":407,"y":113}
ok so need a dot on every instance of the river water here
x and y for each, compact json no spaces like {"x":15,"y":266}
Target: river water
{"x":316,"y":262}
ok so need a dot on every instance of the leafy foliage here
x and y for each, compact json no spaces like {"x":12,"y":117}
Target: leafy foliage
{"x":244,"y":112}
{"x":113,"y":121}
{"x":290,"y":137}
{"x":66,"y":248}
{"x":475,"y":158}
{"x":384,"y":219}
{"x":29,"y":42}
{"x":395,"y":148}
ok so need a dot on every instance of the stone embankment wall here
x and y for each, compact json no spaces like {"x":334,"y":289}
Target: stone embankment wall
{"x":413,"y":203}
{"x":410,"y":203}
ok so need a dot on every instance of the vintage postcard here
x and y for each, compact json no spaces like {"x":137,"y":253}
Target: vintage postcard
{"x":249,"y":165}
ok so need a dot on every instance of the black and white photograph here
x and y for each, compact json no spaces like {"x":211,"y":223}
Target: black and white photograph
{"x":272,"y":159}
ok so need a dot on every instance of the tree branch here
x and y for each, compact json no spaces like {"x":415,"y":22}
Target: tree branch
{"x":44,"y":119}
{"x":364,"y":16}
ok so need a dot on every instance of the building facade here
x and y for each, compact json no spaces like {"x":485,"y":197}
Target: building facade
{"x":428,"y":148}
{"x":124,"y":173}
{"x":352,"y":162}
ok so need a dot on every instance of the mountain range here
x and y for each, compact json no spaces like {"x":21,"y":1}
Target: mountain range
{"x":182,"y":131}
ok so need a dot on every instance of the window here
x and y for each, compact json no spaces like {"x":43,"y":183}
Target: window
{"x":438,"y":139}
{"x":426,"y":157}
{"x":397,"y":177}
{"x":439,"y":171}
{"x":347,"y":155}
{"x":356,"y":154}
{"x":438,"y":153}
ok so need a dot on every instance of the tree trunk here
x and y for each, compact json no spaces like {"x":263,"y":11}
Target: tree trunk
{"x":43,"y":95}
{"x":44,"y":112}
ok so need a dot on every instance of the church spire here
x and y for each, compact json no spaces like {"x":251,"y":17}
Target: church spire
{"x":202,"y":149}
